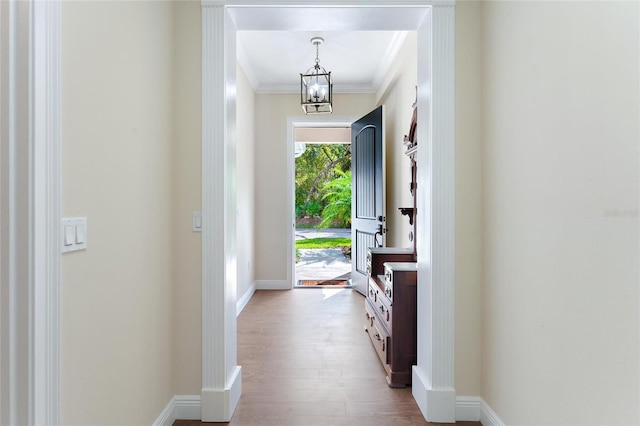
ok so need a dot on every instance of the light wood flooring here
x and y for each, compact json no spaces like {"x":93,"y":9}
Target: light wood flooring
{"x":306,"y":361}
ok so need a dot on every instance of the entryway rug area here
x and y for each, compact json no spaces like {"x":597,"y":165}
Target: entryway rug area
{"x":313,"y":283}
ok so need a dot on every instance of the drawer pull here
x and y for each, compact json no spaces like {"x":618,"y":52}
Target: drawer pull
{"x":377,"y":336}
{"x":382,"y":308}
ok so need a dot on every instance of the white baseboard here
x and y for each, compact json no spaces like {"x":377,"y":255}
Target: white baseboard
{"x":218,"y":405}
{"x":273,"y":285}
{"x":180,"y":407}
{"x":468,"y":408}
{"x":242,"y":302}
{"x":473,"y":409}
{"x":488,"y":417}
{"x":436,"y":405}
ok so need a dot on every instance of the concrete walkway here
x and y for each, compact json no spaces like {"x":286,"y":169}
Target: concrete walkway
{"x":322,"y":264}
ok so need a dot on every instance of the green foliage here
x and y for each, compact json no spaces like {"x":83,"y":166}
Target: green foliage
{"x":313,"y":208}
{"x":314,"y":169}
{"x":320,"y":243}
{"x":338,"y":194}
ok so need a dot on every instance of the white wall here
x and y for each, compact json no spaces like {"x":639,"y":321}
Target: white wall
{"x":116,"y":344}
{"x":271,"y":207}
{"x":468,"y":199}
{"x":560,"y":158}
{"x":187,"y":197}
{"x":398,"y":93}
{"x":245,"y":183}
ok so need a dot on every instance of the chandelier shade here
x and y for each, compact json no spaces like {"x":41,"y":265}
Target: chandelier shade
{"x":316,"y":87}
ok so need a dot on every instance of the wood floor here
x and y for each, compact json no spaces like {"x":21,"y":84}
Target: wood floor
{"x":306,"y":361}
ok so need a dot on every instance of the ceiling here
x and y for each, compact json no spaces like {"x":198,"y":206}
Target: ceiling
{"x":358,"y":60}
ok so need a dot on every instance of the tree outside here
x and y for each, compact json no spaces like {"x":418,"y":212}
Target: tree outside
{"x":323,"y":184}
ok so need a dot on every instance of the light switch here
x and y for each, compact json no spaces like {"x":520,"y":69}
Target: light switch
{"x":69,"y":235}
{"x":74,"y":234}
{"x":80,"y":232}
{"x":197,"y":221}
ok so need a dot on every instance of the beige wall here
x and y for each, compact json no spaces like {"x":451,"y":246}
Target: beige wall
{"x":398,"y":93}
{"x":468,"y":199}
{"x":116,"y":343}
{"x":272,"y":211}
{"x":187,"y":196}
{"x":246,"y":183}
{"x":560,"y":156}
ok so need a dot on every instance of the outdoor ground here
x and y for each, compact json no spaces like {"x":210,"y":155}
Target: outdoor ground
{"x":322,"y":264}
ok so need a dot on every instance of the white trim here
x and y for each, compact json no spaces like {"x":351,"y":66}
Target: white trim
{"x":47,"y":195}
{"x":218,"y":405}
{"x":435,"y":181}
{"x":30,"y":212}
{"x":389,"y":58}
{"x":488,"y":417}
{"x":246,"y":297}
{"x":433,"y":384}
{"x":221,"y":376}
{"x":474,"y":409}
{"x":249,"y":72}
{"x":167,"y":416}
{"x":180,"y":407}
{"x":273,"y":285}
{"x":468,"y":408}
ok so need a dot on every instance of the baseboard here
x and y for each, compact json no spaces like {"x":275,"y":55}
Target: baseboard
{"x":218,"y":405}
{"x":488,"y":417}
{"x":473,"y":409}
{"x":242,"y":302}
{"x":436,"y":405}
{"x":468,"y":408}
{"x":273,"y":285}
{"x":180,"y":407}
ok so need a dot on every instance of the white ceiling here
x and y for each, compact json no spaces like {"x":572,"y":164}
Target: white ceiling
{"x":358,"y":60}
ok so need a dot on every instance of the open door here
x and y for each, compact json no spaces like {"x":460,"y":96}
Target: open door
{"x":367,"y":192}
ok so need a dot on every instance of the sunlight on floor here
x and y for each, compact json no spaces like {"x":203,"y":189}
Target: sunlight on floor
{"x":328,"y":292}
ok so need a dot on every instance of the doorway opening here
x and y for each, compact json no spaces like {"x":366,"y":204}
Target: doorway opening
{"x":322,"y":207}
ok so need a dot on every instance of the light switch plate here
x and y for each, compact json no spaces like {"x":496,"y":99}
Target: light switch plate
{"x":74,"y":234}
{"x":196,"y":221}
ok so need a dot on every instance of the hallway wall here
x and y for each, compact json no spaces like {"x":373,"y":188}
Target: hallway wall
{"x":116,"y":325}
{"x":187,"y":197}
{"x":246,"y":183}
{"x":468,"y":199}
{"x":398,"y":93}
{"x":560,"y":176}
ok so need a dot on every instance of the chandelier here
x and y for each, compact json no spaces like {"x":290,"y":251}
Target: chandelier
{"x":316,"y":87}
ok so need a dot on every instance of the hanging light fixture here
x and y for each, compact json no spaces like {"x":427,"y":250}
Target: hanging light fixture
{"x":316,"y":87}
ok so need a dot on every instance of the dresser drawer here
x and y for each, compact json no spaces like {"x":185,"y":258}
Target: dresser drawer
{"x":380,"y":340}
{"x":375,"y":290}
{"x":383,"y":312}
{"x":370,"y":317}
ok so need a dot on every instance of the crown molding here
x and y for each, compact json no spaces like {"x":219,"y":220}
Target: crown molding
{"x":245,"y":65}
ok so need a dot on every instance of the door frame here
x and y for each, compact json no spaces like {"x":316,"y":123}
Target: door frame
{"x":30,"y":161}
{"x":307,"y":122}
{"x":433,"y":376}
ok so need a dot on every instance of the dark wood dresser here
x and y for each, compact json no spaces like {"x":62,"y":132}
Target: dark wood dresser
{"x":390,"y":311}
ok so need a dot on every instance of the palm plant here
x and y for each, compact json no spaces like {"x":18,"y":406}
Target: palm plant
{"x":338,"y":209}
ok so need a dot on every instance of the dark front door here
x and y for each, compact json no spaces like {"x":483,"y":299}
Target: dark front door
{"x":368,"y":189}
